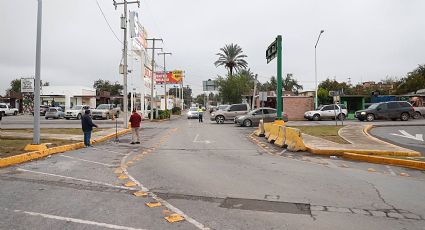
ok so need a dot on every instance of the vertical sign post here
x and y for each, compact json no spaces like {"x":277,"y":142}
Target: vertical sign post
{"x":275,"y":50}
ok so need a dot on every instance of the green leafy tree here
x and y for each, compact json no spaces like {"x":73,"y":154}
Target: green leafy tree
{"x":413,"y":82}
{"x":231,"y":57}
{"x":106,"y":86}
{"x":323,"y":96}
{"x":291,"y":84}
{"x":233,"y":87}
{"x":200,"y":99}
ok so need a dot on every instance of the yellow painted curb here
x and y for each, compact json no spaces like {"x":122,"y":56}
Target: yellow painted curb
{"x":367,"y":152}
{"x":385,"y":160}
{"x":24,"y":157}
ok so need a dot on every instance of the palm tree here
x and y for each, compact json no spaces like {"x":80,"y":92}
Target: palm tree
{"x":231,"y":58}
{"x":291,"y":84}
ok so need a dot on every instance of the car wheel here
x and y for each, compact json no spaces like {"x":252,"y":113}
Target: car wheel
{"x":370,"y":117}
{"x":341,"y":116}
{"x":107,"y":117}
{"x":3,"y":114}
{"x":219,"y":119}
{"x":247,"y":123}
{"x":316,"y":117}
{"x":67,"y":118}
{"x":15,"y":113}
{"x":46,"y":118}
{"x":417,"y":115}
{"x":404,"y":117}
{"x":79,"y":116}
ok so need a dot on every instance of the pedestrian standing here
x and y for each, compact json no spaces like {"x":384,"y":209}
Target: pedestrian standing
{"x":135,"y":120}
{"x":87,"y":125}
{"x":200,"y":114}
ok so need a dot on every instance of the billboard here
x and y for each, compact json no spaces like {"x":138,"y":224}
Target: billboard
{"x":173,"y":77}
{"x":138,"y":33}
{"x":27,"y":85}
{"x":209,"y":85}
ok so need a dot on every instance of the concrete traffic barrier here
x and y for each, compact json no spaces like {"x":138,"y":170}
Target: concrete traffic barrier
{"x":294,"y":140}
{"x":260,"y":131}
{"x":267,"y":128}
{"x":281,"y":139}
{"x":274,"y":133}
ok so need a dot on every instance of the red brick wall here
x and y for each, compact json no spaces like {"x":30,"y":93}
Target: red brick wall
{"x":295,"y":106}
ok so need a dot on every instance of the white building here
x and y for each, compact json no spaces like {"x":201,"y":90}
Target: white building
{"x":68,"y":96}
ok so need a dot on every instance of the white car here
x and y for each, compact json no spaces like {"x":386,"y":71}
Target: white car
{"x":5,"y":110}
{"x":193,"y":113}
{"x":76,"y":112}
{"x":327,"y":112}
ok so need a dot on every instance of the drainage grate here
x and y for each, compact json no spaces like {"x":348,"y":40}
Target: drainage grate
{"x":266,"y":206}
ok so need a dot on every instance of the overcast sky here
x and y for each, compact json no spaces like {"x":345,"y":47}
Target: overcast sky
{"x":363,"y":40}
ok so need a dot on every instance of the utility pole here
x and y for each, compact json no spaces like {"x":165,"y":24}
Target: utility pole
{"x":165,"y":79}
{"x":124,"y":54}
{"x":253,"y":95}
{"x":153,"y":68}
{"x":36,"y":131}
{"x":315,"y":70}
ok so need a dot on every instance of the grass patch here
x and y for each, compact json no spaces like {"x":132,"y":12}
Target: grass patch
{"x":70,"y":131}
{"x":11,"y":147}
{"x":328,"y":132}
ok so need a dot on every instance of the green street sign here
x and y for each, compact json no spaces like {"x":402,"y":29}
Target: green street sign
{"x":271,"y":51}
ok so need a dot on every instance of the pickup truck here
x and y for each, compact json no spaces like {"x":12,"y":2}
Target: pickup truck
{"x":5,"y":110}
{"x":76,"y":112}
{"x":105,"y":111}
{"x":419,"y":112}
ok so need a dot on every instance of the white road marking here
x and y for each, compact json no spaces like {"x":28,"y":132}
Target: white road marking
{"x":418,"y":137}
{"x":94,"y":162}
{"x":74,"y":220}
{"x":391,"y":170}
{"x":196,"y":140}
{"x":163,"y":202}
{"x":77,"y":179}
{"x":106,"y":150}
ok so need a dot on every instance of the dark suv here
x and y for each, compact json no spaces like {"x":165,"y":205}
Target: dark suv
{"x":229,"y":113}
{"x":386,"y":110}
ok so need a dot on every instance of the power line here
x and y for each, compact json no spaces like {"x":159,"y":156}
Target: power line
{"x":106,"y":20}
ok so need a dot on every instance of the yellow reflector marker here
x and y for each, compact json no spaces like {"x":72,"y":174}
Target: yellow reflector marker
{"x":130,"y":184}
{"x":174,"y":218}
{"x":153,"y":204}
{"x":122,"y":177}
{"x":404,"y":174}
{"x":140,"y":193}
{"x":371,"y":170}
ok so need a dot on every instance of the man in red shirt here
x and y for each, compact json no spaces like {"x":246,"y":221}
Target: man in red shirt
{"x":135,"y":120}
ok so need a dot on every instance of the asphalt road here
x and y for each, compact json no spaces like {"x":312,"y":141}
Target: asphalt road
{"x":411,"y":137}
{"x":217,"y":176}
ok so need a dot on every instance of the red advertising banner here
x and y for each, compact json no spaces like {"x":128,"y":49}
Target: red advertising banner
{"x":174,"y":77}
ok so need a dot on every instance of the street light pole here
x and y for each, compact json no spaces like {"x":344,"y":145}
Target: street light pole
{"x":153,"y":69}
{"x":165,"y":79}
{"x":36,"y":131}
{"x":315,"y":69}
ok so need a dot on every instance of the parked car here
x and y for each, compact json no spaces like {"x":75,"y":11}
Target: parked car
{"x":192,"y":113}
{"x":419,"y":112}
{"x":105,"y":111}
{"x":76,"y":112}
{"x":6,"y":110}
{"x":327,"y":112}
{"x":229,"y":113}
{"x":55,"y":113}
{"x":222,"y":107}
{"x":43,"y":110}
{"x":253,"y":118}
{"x":393,"y":110}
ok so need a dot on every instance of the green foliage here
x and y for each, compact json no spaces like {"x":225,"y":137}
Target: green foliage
{"x":164,"y":114}
{"x":231,"y":58}
{"x":323,"y":96}
{"x":106,"y":86}
{"x":414,"y":81}
{"x":233,"y":87}
{"x":291,"y":84}
{"x":200,"y":99}
{"x":15,"y":85}
{"x":176,"y":111}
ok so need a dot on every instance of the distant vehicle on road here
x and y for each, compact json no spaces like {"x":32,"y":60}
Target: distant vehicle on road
{"x":43,"y":110}
{"x":105,"y":111}
{"x":229,"y":113}
{"x":76,"y":112}
{"x":253,"y":118}
{"x":192,"y":113}
{"x":386,"y":110}
{"x":55,"y":113}
{"x":6,"y":110}
{"x":327,"y":112}
{"x":419,"y":112}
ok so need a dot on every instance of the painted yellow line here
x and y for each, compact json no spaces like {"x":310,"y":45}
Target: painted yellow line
{"x":386,"y":160}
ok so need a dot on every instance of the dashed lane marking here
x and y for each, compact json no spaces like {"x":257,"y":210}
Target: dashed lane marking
{"x":75,"y":220}
{"x":93,"y":162}
{"x":73,"y":178}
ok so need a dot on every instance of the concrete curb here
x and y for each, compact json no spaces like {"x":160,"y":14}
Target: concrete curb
{"x":385,"y":160}
{"x":24,"y":157}
{"x":366,"y":152}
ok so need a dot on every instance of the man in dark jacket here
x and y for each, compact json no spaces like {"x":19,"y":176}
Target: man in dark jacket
{"x":87,"y":125}
{"x":135,"y":120}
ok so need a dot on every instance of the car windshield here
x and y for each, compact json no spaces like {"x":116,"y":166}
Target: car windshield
{"x":103,"y":106}
{"x":52,"y":110}
{"x":320,"y":107}
{"x":78,"y":107}
{"x":255,"y":111}
{"x":193,"y":109}
{"x":374,"y":106}
{"x":222,"y":107}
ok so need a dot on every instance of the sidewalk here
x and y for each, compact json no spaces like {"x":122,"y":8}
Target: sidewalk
{"x":361,"y":143}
